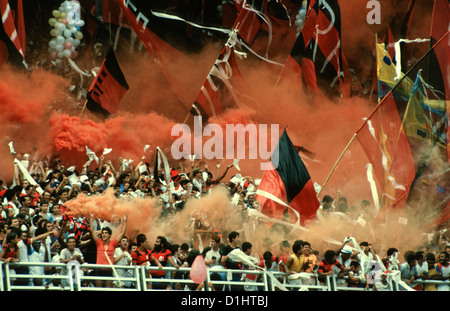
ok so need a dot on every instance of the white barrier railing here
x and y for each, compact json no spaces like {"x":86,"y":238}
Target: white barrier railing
{"x":83,"y":278}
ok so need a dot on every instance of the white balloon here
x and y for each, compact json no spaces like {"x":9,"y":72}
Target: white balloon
{"x":73,"y":29}
{"x":64,"y":6}
{"x":67,"y":53}
{"x":60,"y":40}
{"x":52,"y":43}
{"x":76,"y":42}
{"x":60,"y":26}
{"x":67,"y":33}
{"x":59,"y":47}
{"x":80,"y":23}
{"x":60,"y":54}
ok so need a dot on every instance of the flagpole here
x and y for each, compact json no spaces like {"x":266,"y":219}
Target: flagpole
{"x":110,"y":35}
{"x":187,"y":117}
{"x":376,"y":108}
{"x":84,"y":106}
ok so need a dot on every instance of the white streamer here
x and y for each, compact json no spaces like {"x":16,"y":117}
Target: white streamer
{"x":166,"y":165}
{"x":74,"y":66}
{"x":27,"y":176}
{"x":173,"y":17}
{"x":398,"y":54}
{"x":373,"y":187}
{"x":274,"y":198}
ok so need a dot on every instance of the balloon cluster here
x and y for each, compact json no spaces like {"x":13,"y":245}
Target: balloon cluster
{"x":66,"y":32}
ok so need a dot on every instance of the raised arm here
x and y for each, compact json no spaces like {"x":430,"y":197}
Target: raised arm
{"x":224,"y":173}
{"x":94,"y":236}
{"x":44,"y":235}
{"x":124,"y":229}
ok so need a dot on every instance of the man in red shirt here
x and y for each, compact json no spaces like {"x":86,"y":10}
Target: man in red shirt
{"x":105,"y":250}
{"x":328,"y":264}
{"x":141,"y":256}
{"x":161,"y":251}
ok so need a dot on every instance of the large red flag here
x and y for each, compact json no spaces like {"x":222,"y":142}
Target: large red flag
{"x":108,"y":87}
{"x":290,"y":182}
{"x":386,"y":145}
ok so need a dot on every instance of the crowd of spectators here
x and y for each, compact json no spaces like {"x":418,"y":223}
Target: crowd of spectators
{"x":34,"y":227}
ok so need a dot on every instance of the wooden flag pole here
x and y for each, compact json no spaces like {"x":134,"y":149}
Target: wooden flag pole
{"x":378,"y":105}
{"x":187,"y":117}
{"x":84,"y":106}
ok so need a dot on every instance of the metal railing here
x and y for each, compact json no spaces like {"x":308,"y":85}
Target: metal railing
{"x":76,"y":277}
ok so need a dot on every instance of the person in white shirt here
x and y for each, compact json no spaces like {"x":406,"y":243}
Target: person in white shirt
{"x":37,"y":255}
{"x":71,"y":254}
{"x":212,"y":257}
{"x":123,"y":258}
{"x":24,"y":245}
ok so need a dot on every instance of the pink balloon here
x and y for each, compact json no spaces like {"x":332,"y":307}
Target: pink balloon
{"x":68,"y":45}
{"x":74,"y":55}
{"x":64,"y":21}
{"x":198,"y":270}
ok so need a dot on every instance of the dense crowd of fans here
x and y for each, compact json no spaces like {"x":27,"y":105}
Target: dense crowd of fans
{"x":35,"y":227}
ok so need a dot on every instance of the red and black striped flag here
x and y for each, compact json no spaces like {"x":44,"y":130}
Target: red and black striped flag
{"x":225,"y":85}
{"x":108,"y":87}
{"x":318,"y":52}
{"x":290,"y":182}
{"x":223,"y":88}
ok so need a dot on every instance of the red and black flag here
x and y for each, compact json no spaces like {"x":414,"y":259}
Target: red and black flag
{"x":438,"y":61}
{"x":12,"y":32}
{"x":76,"y":227}
{"x":165,"y":40}
{"x":290,"y":182}
{"x":318,"y":52}
{"x":108,"y":87}
{"x":223,"y":88}
{"x":225,"y":85}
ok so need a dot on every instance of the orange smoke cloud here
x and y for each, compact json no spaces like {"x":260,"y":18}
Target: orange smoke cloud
{"x":26,"y":99}
{"x":141,"y":213}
